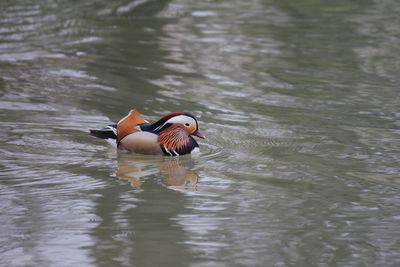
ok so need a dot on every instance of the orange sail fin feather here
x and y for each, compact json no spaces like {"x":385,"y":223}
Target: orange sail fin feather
{"x":127,"y":124}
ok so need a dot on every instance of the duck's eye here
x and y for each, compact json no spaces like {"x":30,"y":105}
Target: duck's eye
{"x":187,"y":124}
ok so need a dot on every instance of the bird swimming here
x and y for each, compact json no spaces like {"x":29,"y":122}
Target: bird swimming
{"x":172,"y":135}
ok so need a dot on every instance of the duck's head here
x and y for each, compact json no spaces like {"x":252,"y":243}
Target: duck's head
{"x":187,"y":120}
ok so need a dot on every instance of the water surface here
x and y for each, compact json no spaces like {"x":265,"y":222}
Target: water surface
{"x":299,"y":102}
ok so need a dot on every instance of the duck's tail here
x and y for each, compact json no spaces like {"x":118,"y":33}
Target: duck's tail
{"x":107,"y":132}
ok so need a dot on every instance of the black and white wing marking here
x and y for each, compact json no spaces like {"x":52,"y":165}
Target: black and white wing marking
{"x":108,"y":132}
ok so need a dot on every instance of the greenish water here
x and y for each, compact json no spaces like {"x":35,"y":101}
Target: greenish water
{"x":299,"y":101}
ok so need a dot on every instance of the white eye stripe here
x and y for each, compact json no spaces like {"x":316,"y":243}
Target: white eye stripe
{"x":182,"y":119}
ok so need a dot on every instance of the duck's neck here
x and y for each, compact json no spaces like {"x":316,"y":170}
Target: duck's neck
{"x":174,"y":140}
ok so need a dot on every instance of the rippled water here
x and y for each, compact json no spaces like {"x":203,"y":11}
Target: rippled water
{"x":299,"y":101}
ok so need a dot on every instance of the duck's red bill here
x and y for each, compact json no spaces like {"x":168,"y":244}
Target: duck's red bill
{"x":198,"y":134}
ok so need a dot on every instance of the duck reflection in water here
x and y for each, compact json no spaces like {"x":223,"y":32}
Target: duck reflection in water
{"x":176,"y":172}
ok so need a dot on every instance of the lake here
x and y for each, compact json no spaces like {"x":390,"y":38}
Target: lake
{"x":299,"y":102}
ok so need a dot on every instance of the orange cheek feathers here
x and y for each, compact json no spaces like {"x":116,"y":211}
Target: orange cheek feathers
{"x":191,"y":128}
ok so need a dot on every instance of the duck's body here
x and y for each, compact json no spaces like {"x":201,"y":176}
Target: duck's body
{"x":171,"y":135}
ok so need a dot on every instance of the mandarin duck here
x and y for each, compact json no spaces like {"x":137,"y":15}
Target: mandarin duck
{"x":171,"y":135}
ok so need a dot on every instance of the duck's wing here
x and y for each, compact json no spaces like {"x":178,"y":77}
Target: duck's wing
{"x":107,"y":132}
{"x":129,"y":124}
